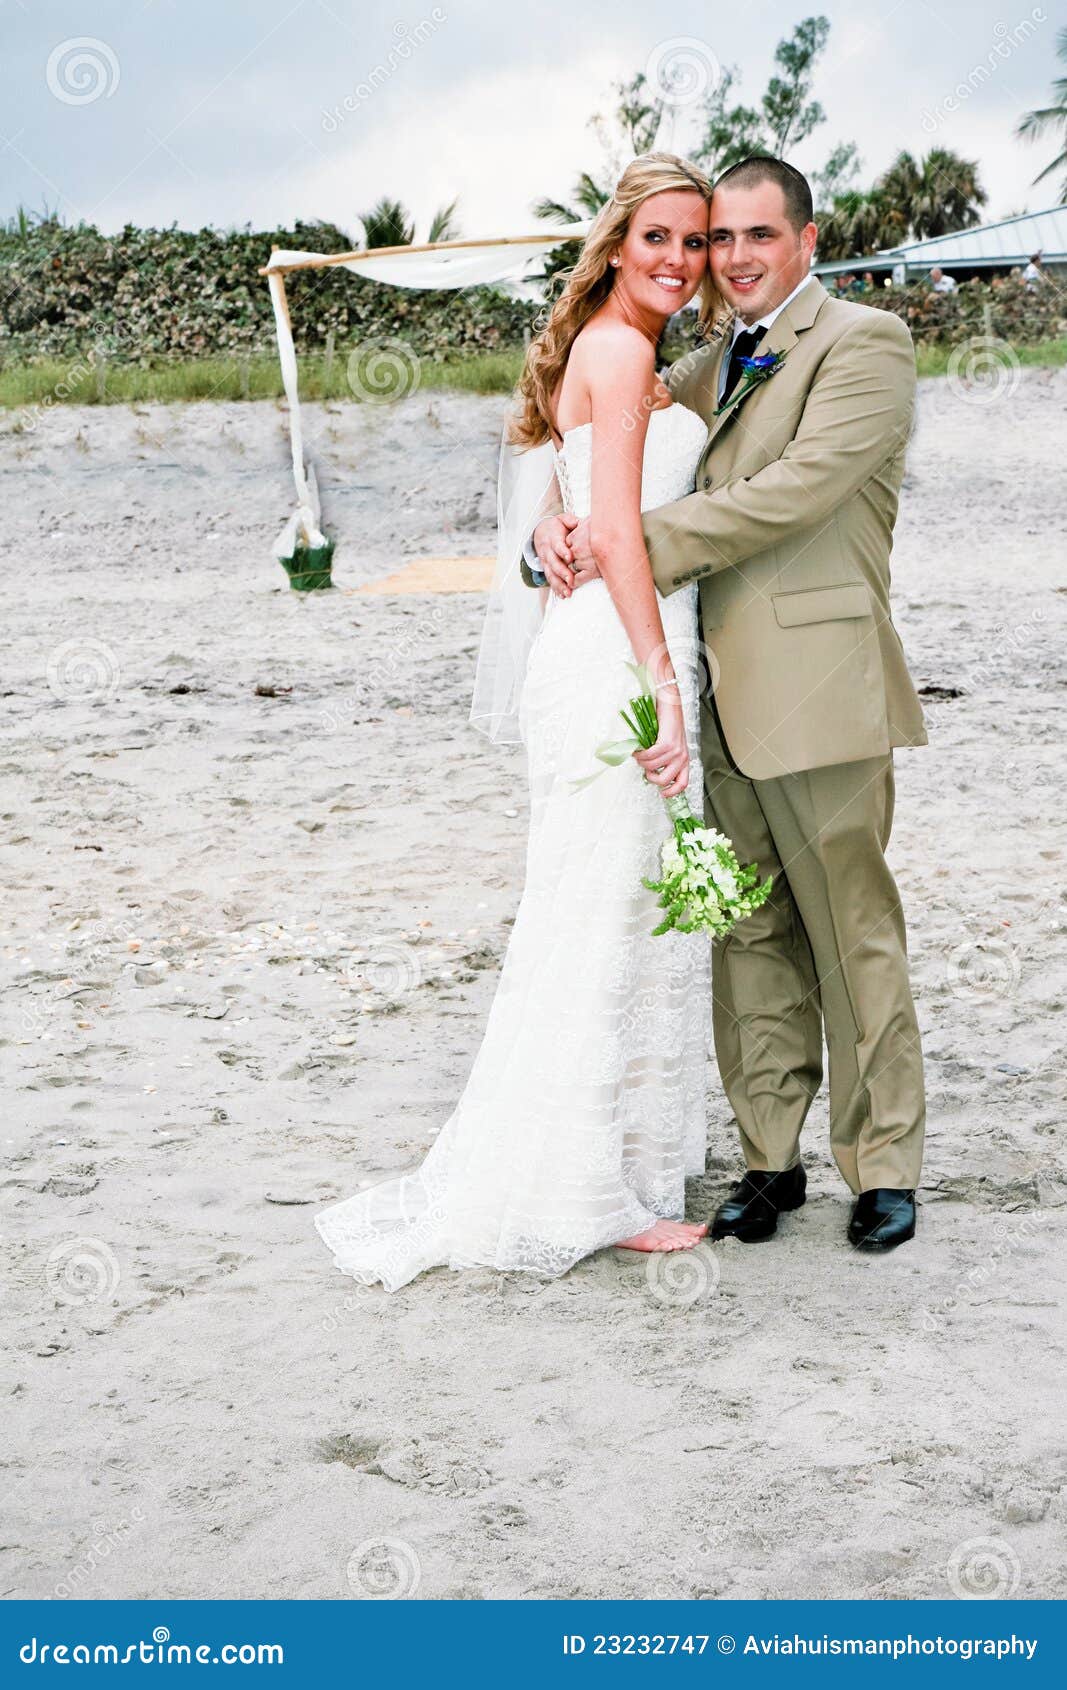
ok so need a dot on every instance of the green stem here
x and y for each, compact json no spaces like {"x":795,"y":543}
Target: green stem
{"x":644,"y":724}
{"x":681,"y":815}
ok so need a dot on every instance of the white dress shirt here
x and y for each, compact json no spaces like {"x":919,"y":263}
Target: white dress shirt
{"x":761,"y":323}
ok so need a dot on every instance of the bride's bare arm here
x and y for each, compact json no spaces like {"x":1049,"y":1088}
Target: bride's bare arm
{"x":549,"y":510}
{"x":618,"y":367}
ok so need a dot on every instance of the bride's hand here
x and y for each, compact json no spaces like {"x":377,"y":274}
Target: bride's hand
{"x":666,"y":764}
{"x":553,"y":550}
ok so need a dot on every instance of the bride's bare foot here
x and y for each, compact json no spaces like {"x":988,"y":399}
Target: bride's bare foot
{"x":665,"y":1235}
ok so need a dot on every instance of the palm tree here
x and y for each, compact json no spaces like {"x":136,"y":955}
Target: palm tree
{"x":588,"y":198}
{"x":859,"y":223}
{"x":444,"y":226}
{"x":389,"y":223}
{"x":934,"y":195}
{"x":1034,"y":123}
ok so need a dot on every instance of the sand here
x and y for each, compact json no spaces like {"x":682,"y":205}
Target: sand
{"x":258,"y":875}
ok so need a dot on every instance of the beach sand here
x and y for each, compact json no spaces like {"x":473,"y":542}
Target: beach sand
{"x":258,"y":877}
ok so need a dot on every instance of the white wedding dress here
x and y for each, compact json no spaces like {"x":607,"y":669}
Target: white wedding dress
{"x":585,"y":1107}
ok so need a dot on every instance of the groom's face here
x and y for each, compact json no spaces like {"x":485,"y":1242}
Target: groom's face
{"x":757,"y":255}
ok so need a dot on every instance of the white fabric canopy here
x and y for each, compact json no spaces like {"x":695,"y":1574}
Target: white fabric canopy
{"x":446,"y":264}
{"x":441,"y":264}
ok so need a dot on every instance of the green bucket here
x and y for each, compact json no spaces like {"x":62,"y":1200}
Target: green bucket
{"x":309,"y":567}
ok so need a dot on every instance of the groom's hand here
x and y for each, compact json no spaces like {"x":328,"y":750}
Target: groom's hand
{"x":551,"y":543}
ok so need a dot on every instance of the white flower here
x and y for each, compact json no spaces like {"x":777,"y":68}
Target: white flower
{"x":725,"y":882}
{"x":709,"y":838}
{"x":671,"y":857}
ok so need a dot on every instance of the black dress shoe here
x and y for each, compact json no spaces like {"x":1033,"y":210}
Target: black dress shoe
{"x":882,"y":1219}
{"x":751,"y":1211}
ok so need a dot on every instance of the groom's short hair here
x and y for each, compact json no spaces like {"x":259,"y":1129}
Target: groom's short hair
{"x":761,"y":167}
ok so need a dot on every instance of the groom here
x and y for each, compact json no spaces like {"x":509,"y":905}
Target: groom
{"x":789,"y":533}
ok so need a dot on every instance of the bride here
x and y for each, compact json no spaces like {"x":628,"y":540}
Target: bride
{"x":585,"y":1107}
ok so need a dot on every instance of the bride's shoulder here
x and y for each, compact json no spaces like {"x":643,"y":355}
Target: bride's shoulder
{"x":611,"y":352}
{"x":604,"y":334}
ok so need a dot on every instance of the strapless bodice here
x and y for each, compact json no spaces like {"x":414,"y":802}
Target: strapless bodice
{"x":673,"y":445}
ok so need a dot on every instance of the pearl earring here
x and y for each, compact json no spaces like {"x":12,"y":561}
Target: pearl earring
{"x":615,"y":262}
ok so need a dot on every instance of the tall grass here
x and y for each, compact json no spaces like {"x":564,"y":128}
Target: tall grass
{"x":53,"y":381}
{"x":1046,"y":354}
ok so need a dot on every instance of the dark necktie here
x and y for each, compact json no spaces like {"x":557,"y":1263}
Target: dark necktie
{"x":743,"y":347}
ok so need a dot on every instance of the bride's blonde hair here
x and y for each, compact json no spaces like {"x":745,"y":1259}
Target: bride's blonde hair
{"x":590,"y":283}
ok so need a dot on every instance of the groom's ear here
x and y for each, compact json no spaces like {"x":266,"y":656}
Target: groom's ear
{"x":809,"y":235}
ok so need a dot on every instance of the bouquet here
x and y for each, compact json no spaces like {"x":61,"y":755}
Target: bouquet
{"x":704,"y":888}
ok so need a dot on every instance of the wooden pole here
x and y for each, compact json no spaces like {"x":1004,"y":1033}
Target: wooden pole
{"x":324,"y":261}
{"x":329,"y":365}
{"x":304,"y":492}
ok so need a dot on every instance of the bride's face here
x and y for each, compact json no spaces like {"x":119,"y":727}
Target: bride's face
{"x":664,"y":255}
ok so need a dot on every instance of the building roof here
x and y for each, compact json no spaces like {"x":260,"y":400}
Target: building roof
{"x":991,"y":246}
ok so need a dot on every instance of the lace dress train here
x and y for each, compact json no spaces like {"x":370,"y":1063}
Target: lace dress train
{"x":585,"y":1107}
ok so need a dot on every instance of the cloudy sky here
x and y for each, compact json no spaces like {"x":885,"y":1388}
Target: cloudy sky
{"x":260,"y":111}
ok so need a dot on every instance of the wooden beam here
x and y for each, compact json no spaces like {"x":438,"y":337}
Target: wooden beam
{"x":324,"y":261}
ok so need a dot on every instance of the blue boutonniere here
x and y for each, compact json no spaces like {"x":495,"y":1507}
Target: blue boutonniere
{"x":755,"y":370}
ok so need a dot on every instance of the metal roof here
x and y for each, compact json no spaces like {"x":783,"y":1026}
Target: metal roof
{"x":992,"y":244}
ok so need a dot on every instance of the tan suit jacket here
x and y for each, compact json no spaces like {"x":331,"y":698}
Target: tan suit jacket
{"x":789,"y":534}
